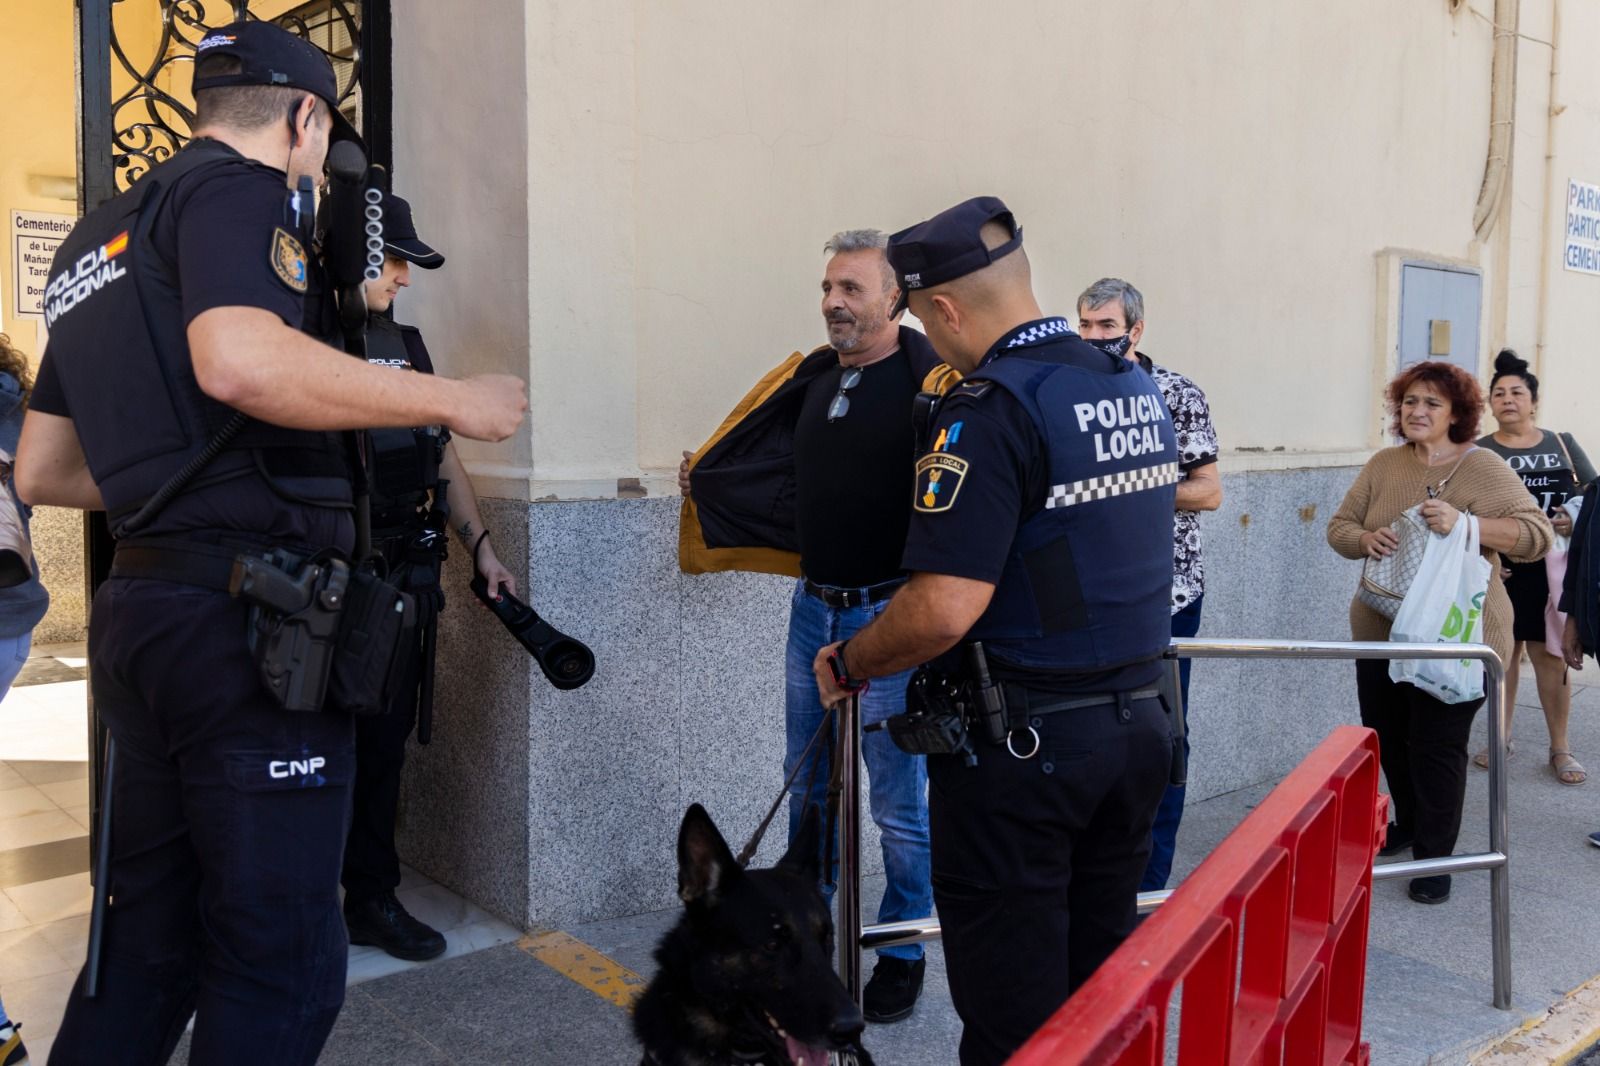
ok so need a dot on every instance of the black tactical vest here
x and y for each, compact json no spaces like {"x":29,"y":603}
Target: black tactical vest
{"x":118,"y":344}
{"x":402,"y":464}
{"x":1087,"y":582}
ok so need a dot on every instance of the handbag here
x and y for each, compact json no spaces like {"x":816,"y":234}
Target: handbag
{"x":1385,"y":580}
{"x":16,"y":550}
{"x":1445,"y":606}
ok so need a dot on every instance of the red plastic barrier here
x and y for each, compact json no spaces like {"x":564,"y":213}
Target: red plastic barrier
{"x":1268,"y":938}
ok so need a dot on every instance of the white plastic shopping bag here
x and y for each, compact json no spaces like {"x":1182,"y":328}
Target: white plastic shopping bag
{"x":1445,"y":606}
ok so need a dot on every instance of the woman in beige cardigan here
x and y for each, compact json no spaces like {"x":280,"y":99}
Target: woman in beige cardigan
{"x":1423,"y":741}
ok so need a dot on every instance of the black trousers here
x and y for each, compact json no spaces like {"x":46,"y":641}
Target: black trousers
{"x":371,"y":863}
{"x":228,"y":824}
{"x":1036,"y":864}
{"x":1422,"y":746}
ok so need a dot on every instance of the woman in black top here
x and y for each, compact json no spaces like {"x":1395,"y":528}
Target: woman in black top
{"x":1553,"y":468}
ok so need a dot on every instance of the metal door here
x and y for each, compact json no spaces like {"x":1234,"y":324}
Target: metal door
{"x":1439,"y":314}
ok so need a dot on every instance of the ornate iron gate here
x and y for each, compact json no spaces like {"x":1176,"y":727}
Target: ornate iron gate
{"x":121,"y":137}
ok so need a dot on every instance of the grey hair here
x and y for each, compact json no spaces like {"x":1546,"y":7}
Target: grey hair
{"x":862,"y":240}
{"x":855,"y":240}
{"x":1105,"y":290}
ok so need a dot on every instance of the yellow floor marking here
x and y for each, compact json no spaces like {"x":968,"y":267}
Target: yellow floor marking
{"x":583,"y":965}
{"x":1555,"y":1037}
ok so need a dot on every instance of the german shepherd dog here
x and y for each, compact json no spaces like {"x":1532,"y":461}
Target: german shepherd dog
{"x":747,"y":973}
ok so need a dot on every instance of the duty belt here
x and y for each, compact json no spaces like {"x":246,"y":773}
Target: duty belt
{"x":186,"y":562}
{"x":858,"y":597}
{"x":1023,"y":703}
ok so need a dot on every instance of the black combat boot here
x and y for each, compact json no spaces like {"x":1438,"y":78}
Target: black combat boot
{"x":384,"y":922}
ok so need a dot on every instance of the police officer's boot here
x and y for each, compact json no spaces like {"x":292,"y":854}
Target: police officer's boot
{"x":384,"y":922}
{"x":893,"y":990}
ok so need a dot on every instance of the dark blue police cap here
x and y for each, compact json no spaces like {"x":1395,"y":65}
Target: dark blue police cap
{"x":949,"y":245}
{"x":400,"y":235}
{"x":270,"y":55}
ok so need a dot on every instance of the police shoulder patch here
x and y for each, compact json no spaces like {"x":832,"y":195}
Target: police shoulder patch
{"x":939,"y":477}
{"x":288,"y":258}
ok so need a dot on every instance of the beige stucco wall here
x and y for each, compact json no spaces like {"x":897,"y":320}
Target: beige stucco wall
{"x":1243,"y":164}
{"x":1569,"y":370}
{"x":461,"y":131}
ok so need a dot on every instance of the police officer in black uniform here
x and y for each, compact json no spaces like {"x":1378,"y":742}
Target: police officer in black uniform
{"x":417,"y":487}
{"x":177,"y":309}
{"x":1041,"y":563}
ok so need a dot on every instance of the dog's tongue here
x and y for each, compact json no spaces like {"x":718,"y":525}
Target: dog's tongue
{"x":801,"y":1055}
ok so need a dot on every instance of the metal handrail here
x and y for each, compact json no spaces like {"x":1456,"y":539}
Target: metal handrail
{"x":854,"y":938}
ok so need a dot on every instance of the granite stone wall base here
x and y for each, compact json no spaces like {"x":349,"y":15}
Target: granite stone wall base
{"x":555,"y":807}
{"x":58,"y":545}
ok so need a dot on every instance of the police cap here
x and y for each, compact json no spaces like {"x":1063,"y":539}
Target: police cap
{"x":400,"y":235}
{"x":949,"y":245}
{"x":270,"y":55}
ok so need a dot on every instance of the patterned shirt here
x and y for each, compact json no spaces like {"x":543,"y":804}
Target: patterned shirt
{"x":1197,"y":447}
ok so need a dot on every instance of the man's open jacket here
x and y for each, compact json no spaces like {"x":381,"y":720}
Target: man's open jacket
{"x":740,"y":511}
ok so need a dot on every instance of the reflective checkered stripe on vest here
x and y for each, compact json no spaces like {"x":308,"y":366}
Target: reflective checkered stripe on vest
{"x":1088,"y":580}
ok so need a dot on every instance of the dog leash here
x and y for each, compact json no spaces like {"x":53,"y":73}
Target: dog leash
{"x":748,"y":852}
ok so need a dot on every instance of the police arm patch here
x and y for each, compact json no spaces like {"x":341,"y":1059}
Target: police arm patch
{"x":939,"y":477}
{"x":288,"y":258}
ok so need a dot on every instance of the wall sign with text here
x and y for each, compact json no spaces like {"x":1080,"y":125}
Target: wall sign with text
{"x":1581,"y":249}
{"x":35,"y":236}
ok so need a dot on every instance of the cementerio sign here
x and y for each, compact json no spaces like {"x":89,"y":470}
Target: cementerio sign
{"x":35,"y":236}
{"x":1582,"y":249}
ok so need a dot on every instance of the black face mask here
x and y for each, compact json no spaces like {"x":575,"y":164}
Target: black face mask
{"x":1116,"y":347}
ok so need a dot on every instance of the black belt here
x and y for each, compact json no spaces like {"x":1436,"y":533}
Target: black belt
{"x":861,"y":597}
{"x":1023,"y":702}
{"x":185,"y":562}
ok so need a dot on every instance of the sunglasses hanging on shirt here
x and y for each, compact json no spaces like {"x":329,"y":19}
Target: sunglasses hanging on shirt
{"x":841,"y":403}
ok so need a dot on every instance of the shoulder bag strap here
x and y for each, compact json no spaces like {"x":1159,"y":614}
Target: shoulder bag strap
{"x":1436,"y":493}
{"x":1561,"y":439}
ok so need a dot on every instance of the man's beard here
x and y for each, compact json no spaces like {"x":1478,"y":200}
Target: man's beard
{"x":849,"y":341}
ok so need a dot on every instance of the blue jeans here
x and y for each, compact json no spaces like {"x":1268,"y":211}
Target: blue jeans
{"x":1164,"y":833}
{"x":897,"y":782}
{"x":13,"y":656}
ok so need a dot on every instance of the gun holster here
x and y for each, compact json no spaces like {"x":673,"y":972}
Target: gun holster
{"x":295,"y":608}
{"x":935,"y":718}
{"x":322,"y":633}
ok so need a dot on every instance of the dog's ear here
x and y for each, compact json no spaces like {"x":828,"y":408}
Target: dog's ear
{"x":804,"y":855}
{"x":705,"y":865}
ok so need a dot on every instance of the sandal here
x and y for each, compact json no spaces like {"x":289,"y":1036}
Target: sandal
{"x":1569,"y":771}
{"x":1481,"y":760}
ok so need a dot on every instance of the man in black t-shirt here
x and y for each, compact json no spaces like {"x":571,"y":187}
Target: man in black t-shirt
{"x":175,"y":310}
{"x":405,"y":485}
{"x":853,"y":453}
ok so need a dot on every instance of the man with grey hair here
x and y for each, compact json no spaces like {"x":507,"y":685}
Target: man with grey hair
{"x":1111,"y":317}
{"x":812,"y":476}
